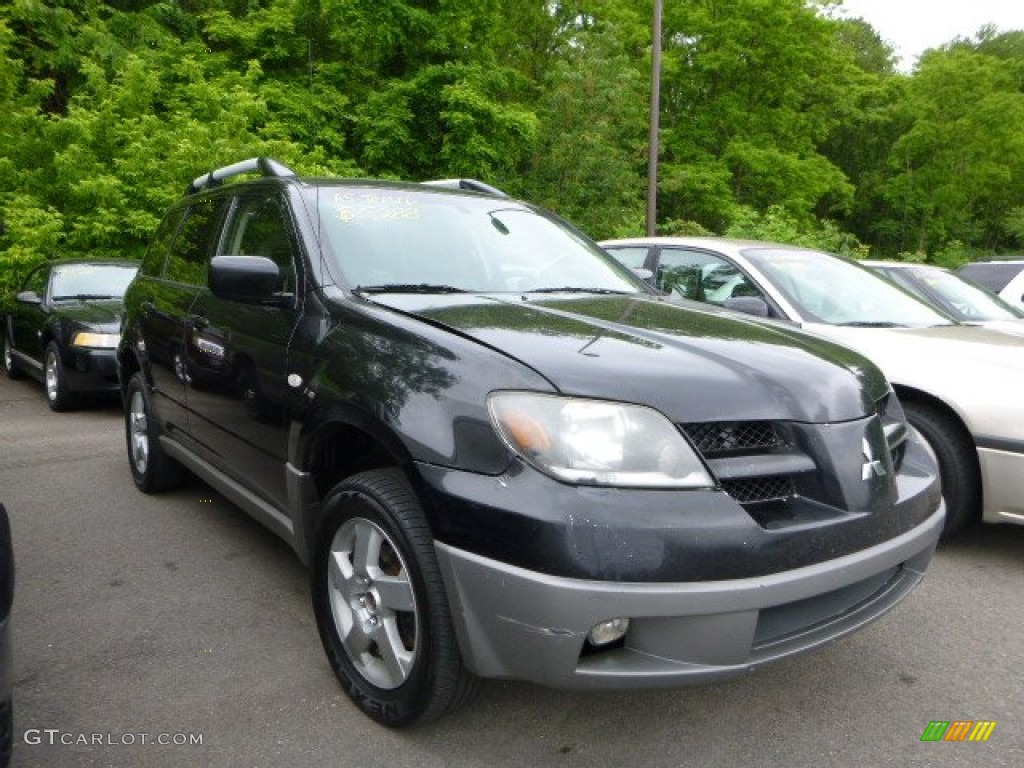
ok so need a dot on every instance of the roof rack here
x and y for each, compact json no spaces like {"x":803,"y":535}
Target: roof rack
{"x":265,"y":166}
{"x":470,"y":184}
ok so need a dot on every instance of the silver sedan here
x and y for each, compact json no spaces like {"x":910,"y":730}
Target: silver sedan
{"x":960,"y":385}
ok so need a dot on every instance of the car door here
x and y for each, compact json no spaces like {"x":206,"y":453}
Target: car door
{"x":28,"y":317}
{"x":238,"y":353}
{"x":172,"y":275}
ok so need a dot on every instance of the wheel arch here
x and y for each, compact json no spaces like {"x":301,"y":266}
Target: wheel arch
{"x":128,"y":364}
{"x":46,"y":335}
{"x":344,"y":445}
{"x":912,"y":394}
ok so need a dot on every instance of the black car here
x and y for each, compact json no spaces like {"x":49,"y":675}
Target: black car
{"x":64,"y":327}
{"x":501,"y":453}
{"x":6,"y":663}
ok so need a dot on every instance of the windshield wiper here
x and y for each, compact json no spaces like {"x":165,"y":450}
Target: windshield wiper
{"x":571,"y":289}
{"x":408,"y":288}
{"x":81,"y":296}
{"x":872,"y":324}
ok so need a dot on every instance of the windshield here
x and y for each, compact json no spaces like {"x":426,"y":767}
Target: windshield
{"x":398,"y":240}
{"x":91,"y":281}
{"x":969,"y":301}
{"x":829,"y":289}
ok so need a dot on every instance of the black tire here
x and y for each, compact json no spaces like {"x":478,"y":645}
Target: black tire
{"x":958,"y":463}
{"x":152,"y":469}
{"x":10,"y":366}
{"x":55,"y":380}
{"x":416,"y":674}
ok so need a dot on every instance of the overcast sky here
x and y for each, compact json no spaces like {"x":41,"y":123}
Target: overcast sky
{"x":912,"y":26}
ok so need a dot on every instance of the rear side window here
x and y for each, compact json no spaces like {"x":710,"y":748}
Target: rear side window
{"x":631,"y":257}
{"x":194,"y":243}
{"x":155,"y":258}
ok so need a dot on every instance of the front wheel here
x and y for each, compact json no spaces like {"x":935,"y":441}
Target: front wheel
{"x":380,"y":603}
{"x":958,"y":463}
{"x":58,"y":395}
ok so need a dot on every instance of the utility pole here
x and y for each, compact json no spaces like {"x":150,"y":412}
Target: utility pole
{"x":652,"y":142}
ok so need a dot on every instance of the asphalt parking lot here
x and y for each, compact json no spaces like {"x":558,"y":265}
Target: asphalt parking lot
{"x":146,"y":624}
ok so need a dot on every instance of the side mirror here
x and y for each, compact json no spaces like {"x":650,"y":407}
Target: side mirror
{"x":250,"y":279}
{"x":643,"y":274}
{"x":748,"y":305}
{"x":29,"y":297}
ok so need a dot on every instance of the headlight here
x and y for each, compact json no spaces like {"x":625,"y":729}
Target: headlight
{"x":98,"y":340}
{"x":593,"y":442}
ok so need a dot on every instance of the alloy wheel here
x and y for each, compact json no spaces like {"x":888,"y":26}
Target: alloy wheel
{"x":52,"y":377}
{"x":138,"y":433}
{"x":373,"y":603}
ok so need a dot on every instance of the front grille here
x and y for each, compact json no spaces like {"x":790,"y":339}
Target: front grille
{"x":722,"y":437}
{"x":731,"y":448}
{"x":759,"y":489}
{"x":792,"y":473}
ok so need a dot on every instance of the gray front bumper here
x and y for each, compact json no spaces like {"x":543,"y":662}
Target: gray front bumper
{"x":519,"y":624}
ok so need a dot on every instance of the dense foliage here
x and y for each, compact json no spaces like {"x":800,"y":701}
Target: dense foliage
{"x":780,"y":118}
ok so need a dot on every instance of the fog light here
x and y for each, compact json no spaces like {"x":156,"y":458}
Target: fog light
{"x":608,"y":631}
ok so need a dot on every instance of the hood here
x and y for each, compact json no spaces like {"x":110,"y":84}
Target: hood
{"x":1015,"y":327}
{"x":102,"y":315}
{"x":977,"y":371}
{"x":691,"y":365}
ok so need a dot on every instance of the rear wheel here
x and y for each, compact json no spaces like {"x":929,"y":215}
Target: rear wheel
{"x":381,"y":606}
{"x":55,"y":379}
{"x":958,"y":462}
{"x":152,"y":469}
{"x":10,"y":367}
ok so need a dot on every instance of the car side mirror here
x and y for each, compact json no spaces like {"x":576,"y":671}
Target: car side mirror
{"x":748,"y":305}
{"x":29,"y":297}
{"x":249,"y":279}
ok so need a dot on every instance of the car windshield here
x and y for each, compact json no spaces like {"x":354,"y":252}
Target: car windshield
{"x":405,"y":241}
{"x":829,"y":289}
{"x":971,"y":303}
{"x":91,"y":281}
{"x":994,"y":275}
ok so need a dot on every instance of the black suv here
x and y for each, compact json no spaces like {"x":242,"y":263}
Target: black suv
{"x":500,"y":454}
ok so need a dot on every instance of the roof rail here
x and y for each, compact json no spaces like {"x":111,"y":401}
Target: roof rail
{"x":265,"y":166}
{"x":470,"y":184}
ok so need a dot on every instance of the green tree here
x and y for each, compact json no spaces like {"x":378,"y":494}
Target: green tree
{"x":751,"y":91}
{"x":590,"y":159}
{"x":957,"y":173}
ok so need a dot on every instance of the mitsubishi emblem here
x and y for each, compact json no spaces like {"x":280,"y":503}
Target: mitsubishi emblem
{"x":871,"y":465}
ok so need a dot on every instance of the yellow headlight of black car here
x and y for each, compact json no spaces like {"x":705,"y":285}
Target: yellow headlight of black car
{"x":98,"y":340}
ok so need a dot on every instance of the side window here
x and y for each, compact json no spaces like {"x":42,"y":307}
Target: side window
{"x":193,"y":246}
{"x":154,"y":260}
{"x":259,"y":226}
{"x":631,"y":256}
{"x":37,"y":281}
{"x":702,"y":276}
